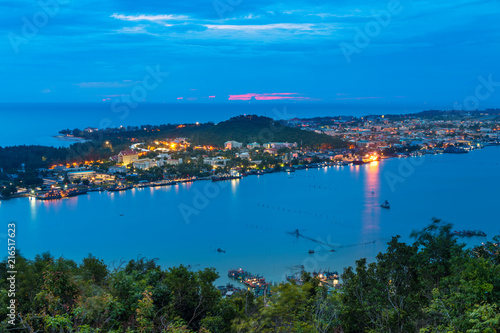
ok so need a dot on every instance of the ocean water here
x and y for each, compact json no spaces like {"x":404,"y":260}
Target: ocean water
{"x":251,"y":218}
{"x":33,"y":123}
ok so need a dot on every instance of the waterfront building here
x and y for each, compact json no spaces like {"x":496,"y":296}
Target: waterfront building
{"x":86,"y":174}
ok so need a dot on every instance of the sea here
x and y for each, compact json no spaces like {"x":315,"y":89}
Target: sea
{"x":336,"y":211}
{"x":40,"y":123}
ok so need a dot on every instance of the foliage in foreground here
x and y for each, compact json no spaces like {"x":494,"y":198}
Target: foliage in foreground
{"x":432,"y":285}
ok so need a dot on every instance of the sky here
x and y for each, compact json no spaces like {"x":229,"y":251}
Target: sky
{"x":423,"y":53}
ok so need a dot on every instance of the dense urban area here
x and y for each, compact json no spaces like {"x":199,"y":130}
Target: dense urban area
{"x":117,"y":159}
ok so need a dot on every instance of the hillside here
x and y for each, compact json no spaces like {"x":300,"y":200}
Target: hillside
{"x":245,"y":129}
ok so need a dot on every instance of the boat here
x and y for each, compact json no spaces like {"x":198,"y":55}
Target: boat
{"x":386,"y":205}
{"x":73,"y":192}
{"x":163,"y":183}
{"x":220,"y":250}
{"x":289,"y":169}
{"x":238,"y":274}
{"x":220,"y":178}
{"x":358,"y":161}
{"x":119,"y":188}
{"x":311,"y":251}
{"x":51,"y":195}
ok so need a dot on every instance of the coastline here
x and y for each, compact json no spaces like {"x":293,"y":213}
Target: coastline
{"x":70,"y":138}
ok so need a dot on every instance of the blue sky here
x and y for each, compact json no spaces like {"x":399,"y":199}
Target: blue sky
{"x":424,"y":53}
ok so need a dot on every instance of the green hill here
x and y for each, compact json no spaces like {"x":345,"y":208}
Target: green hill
{"x":245,"y":129}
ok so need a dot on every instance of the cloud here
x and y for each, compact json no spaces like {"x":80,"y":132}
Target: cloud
{"x":277,"y":26}
{"x":153,"y":18}
{"x":268,"y":97}
{"x":113,"y":84}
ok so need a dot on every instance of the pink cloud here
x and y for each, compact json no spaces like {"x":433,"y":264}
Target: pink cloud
{"x":267,"y":97}
{"x":180,"y":97}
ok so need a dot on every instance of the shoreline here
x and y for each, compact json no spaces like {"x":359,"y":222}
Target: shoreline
{"x":70,"y":138}
{"x":267,"y":269}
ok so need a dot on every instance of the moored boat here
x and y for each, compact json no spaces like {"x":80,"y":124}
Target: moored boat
{"x":220,"y":178}
{"x":51,"y":195}
{"x":385,"y":205}
{"x":119,"y":188}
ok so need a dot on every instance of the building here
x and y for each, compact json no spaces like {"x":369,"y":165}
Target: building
{"x":86,"y":174}
{"x":116,"y":169}
{"x":126,"y":157}
{"x":144,"y":164}
{"x":172,"y":161}
{"x":253,"y":145}
{"x":104,"y":177}
{"x":278,"y":145}
{"x":232,"y":145}
{"x":243,"y":155}
{"x":272,"y":151}
{"x":215,"y":161}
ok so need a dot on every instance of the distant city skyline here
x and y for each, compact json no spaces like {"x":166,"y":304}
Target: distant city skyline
{"x":418,"y":54}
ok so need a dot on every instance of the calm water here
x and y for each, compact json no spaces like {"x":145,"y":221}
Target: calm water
{"x":250,"y":218}
{"x":37,"y":123}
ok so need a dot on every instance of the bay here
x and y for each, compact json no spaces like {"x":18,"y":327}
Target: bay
{"x":251,"y":218}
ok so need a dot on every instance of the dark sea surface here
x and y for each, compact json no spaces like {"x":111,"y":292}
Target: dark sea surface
{"x":251,"y":218}
{"x":38,"y":123}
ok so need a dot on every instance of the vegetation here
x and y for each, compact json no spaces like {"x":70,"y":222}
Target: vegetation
{"x":245,"y":129}
{"x":432,"y":285}
{"x":107,"y":142}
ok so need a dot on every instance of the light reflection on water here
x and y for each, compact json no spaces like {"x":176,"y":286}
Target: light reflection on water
{"x":250,"y":218}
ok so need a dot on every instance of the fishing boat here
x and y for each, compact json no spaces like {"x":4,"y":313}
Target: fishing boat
{"x":238,"y":274}
{"x":220,"y":178}
{"x":311,"y":252}
{"x":385,"y":205}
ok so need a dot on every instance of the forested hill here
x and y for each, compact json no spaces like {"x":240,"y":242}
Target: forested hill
{"x":248,"y":129}
{"x":244,"y":129}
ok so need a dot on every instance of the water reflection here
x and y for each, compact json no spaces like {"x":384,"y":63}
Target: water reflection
{"x":370,"y":216}
{"x":234,"y":185}
{"x":33,"y":208}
